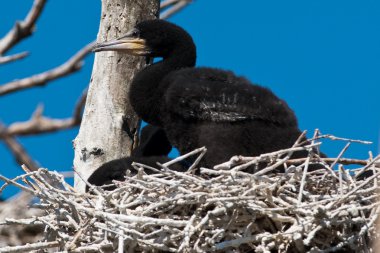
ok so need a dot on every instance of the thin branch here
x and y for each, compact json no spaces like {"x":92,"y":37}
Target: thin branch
{"x":19,"y":152}
{"x":246,"y":161}
{"x":344,"y":161}
{"x":70,"y":66}
{"x":22,"y":29}
{"x":30,"y":247}
{"x":175,"y":6}
{"x":14,"y":57}
{"x":335,"y":138}
{"x":303,"y":181}
{"x":166,"y":3}
{"x":39,"y":124}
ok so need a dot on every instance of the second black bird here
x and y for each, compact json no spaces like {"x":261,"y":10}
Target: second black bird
{"x":154,"y":147}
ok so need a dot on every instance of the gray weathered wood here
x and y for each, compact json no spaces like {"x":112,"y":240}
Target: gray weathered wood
{"x":109,"y":124}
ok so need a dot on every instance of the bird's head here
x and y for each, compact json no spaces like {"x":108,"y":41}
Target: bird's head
{"x":152,"y":38}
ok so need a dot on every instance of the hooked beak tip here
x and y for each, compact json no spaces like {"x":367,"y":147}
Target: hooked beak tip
{"x":133,"y":46}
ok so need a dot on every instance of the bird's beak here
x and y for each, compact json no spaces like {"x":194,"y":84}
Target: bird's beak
{"x":129,"y":45}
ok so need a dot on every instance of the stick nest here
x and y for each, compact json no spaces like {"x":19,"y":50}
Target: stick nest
{"x":221,"y":210}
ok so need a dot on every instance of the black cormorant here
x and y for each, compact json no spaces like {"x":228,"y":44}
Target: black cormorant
{"x":202,"y":106}
{"x":154,"y":147}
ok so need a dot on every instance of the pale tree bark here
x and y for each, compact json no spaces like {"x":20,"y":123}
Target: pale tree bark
{"x":109,"y":125}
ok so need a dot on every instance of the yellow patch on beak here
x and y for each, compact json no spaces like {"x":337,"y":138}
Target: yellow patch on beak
{"x":133,"y":46}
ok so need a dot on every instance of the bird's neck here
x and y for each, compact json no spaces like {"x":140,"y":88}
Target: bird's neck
{"x":147,"y":90}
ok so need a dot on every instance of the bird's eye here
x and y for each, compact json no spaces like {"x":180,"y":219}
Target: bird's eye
{"x":135,"y":33}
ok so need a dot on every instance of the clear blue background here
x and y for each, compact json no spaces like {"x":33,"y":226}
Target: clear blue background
{"x":322,"y":57}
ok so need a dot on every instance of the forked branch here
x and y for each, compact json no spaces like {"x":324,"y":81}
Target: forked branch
{"x":22,"y":29}
{"x":70,"y":66}
{"x":40,"y":124}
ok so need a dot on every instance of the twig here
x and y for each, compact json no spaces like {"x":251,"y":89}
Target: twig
{"x":334,"y":138}
{"x":70,"y":66}
{"x":303,"y":181}
{"x":247,"y":161}
{"x":180,"y":158}
{"x":18,"y":151}
{"x":369,"y":164}
{"x":340,"y":169}
{"x":176,"y":6}
{"x":30,"y":247}
{"x":344,"y":161}
{"x":283,"y":160}
{"x":22,"y":29}
{"x":305,"y":170}
{"x":166,"y":3}
{"x":14,"y":57}
{"x":340,"y":154}
{"x":13,"y":182}
{"x":39,"y":124}
{"x":357,"y":188}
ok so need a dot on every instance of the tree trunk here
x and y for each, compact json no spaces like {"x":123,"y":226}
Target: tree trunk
{"x":109,"y":126}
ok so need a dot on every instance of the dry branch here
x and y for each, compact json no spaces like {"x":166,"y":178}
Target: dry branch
{"x":15,"y":57}
{"x":40,"y":124}
{"x":30,"y":247}
{"x":18,"y":151}
{"x":166,"y":3}
{"x":344,"y":161}
{"x":172,"y":7}
{"x":22,"y":29}
{"x":70,"y":66}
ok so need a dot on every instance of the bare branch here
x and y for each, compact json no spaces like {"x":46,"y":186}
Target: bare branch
{"x":18,"y":151}
{"x":70,"y":66}
{"x":335,"y":138}
{"x":22,"y":29}
{"x":175,"y":6}
{"x":344,"y":161}
{"x":15,"y":57}
{"x":166,"y":3}
{"x":39,"y":124}
{"x":30,"y":247}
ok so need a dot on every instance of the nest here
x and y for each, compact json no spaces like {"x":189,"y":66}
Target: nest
{"x":16,"y":234}
{"x":223,"y":209}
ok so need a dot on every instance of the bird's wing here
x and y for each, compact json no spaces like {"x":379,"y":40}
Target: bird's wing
{"x":220,"y":96}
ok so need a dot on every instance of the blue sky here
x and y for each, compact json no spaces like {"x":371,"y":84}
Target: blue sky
{"x":322,"y":57}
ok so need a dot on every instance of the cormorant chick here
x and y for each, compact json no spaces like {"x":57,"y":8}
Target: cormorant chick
{"x":202,"y":106}
{"x":154,"y":147}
